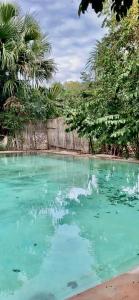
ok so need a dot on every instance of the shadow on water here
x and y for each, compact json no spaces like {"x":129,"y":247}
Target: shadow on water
{"x":43,"y":296}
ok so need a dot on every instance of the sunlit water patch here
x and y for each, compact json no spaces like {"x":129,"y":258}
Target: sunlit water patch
{"x":65,"y":224}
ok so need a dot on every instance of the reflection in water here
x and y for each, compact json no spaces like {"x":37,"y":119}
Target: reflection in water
{"x":93,"y":183}
{"x":61,"y":220}
{"x":76,"y":192}
{"x":134,"y":190}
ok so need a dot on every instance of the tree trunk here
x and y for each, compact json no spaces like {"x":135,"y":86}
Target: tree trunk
{"x":137,"y":150}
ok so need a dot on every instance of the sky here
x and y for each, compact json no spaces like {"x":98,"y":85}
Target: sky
{"x":72,"y":38}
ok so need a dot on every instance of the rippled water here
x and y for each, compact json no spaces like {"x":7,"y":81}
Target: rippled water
{"x":65,"y":224}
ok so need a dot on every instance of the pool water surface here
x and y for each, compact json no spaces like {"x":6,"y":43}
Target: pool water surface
{"x":66,"y":224}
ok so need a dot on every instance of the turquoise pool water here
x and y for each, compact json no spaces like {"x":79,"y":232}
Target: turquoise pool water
{"x":66,"y":224}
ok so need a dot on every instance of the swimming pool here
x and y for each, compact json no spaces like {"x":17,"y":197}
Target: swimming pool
{"x":66,"y":224}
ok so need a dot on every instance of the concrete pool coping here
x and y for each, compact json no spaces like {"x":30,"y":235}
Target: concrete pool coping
{"x":123,"y":287}
{"x":73,"y":153}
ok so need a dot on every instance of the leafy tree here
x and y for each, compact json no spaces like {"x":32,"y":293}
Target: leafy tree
{"x":109,"y":115}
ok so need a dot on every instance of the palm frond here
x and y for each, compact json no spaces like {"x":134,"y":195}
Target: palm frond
{"x":54,"y":91}
{"x":44,"y":69}
{"x":32,"y":29}
{"x":9,"y":87}
{"x":8,"y":11}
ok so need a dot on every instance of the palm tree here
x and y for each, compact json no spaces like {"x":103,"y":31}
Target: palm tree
{"x":24,"y":52}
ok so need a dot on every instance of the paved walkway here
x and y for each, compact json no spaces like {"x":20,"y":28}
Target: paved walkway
{"x":124,"y":287}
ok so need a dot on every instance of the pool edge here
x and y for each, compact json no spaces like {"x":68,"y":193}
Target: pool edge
{"x":73,"y":154}
{"x":123,"y":287}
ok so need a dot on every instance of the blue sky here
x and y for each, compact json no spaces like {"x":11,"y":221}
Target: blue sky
{"x":71,"y":37}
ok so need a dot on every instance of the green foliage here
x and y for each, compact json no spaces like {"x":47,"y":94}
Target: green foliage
{"x":43,"y":103}
{"x":24,"y":66}
{"x":104,"y":107}
{"x":110,"y":113}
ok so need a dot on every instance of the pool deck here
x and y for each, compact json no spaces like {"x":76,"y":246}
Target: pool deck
{"x":123,"y":287}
